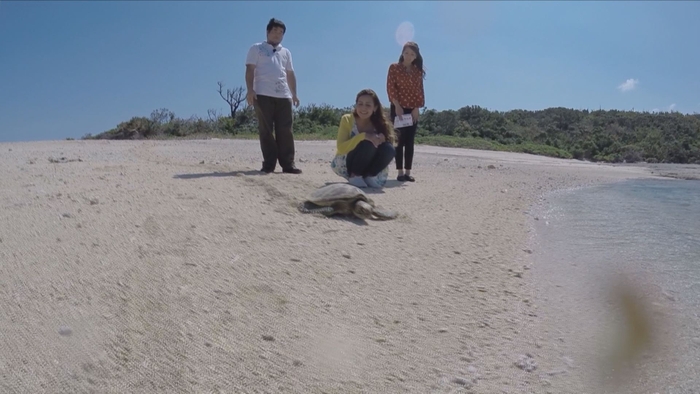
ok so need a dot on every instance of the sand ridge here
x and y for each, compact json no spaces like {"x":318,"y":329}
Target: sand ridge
{"x":175,"y":266}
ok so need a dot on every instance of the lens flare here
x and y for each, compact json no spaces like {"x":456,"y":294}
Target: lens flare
{"x":404,"y":33}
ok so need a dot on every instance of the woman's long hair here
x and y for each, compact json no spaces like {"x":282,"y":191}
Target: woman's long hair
{"x":418,"y":61}
{"x":378,"y":118}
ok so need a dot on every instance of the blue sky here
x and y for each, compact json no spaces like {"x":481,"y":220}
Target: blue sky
{"x":71,"y":68}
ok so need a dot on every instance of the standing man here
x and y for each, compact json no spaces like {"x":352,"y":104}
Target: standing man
{"x":272,"y":88}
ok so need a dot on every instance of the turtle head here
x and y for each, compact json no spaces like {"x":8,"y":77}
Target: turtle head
{"x":362,"y":210}
{"x":380,"y":213}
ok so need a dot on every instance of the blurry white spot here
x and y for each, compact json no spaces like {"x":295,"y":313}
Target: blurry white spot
{"x":404,"y":33}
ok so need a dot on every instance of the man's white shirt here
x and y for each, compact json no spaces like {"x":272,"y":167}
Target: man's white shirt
{"x":271,"y":66}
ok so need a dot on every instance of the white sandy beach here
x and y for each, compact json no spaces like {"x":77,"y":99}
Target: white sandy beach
{"x":176,"y":267}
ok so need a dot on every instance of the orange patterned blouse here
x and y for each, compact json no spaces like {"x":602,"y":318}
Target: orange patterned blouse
{"x":405,"y":86}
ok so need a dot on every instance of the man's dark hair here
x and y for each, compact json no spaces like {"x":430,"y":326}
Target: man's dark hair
{"x":276,"y":23}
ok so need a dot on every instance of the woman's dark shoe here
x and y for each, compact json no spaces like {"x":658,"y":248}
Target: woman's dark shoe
{"x":409,"y":178}
{"x":401,"y":178}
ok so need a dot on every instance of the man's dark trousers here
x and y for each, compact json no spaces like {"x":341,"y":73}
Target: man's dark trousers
{"x":277,"y":112}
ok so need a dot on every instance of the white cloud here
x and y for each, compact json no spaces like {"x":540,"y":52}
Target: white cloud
{"x":628,"y":85}
{"x":671,"y":107}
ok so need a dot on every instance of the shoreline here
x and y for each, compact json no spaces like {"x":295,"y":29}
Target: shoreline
{"x":577,"y":316}
{"x":435,"y":300}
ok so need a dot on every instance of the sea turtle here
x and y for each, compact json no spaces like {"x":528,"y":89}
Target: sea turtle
{"x":344,"y":199}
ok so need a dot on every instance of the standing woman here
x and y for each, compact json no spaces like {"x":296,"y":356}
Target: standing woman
{"x":404,"y":85}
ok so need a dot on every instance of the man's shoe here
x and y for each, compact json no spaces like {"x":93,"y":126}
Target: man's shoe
{"x":291,"y":170}
{"x":266,"y":170}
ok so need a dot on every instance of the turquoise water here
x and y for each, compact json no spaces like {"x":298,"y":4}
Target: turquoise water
{"x":648,"y":228}
{"x":653,"y":224}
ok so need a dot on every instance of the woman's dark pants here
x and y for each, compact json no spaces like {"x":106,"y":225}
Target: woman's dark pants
{"x":407,"y":136}
{"x":368,"y":160}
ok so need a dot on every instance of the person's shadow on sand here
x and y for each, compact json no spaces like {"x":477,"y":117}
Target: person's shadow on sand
{"x":217,"y":174}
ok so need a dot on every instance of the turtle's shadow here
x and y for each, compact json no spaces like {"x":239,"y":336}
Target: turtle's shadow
{"x":344,"y":218}
{"x":350,"y":219}
{"x":369,"y":190}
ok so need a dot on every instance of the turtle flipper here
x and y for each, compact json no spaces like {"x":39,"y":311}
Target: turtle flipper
{"x":309,"y":207}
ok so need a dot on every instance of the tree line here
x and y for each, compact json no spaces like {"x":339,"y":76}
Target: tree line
{"x":597,"y":135}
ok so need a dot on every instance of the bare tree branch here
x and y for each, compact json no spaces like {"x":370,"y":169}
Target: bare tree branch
{"x":213,"y":114}
{"x":234,"y":98}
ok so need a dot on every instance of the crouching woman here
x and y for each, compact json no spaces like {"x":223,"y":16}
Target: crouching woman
{"x":365,"y":143}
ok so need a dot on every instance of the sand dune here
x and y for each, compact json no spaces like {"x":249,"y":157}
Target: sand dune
{"x":174,"y":266}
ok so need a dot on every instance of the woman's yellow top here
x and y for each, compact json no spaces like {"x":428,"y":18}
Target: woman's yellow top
{"x":345,"y":143}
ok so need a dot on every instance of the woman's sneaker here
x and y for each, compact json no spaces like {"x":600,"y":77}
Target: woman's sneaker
{"x":372,"y":181}
{"x":357,"y":181}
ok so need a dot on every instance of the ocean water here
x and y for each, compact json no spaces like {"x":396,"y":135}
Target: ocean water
{"x":649,"y":229}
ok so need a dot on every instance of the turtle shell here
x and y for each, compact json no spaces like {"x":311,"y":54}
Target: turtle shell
{"x":329,"y":194}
